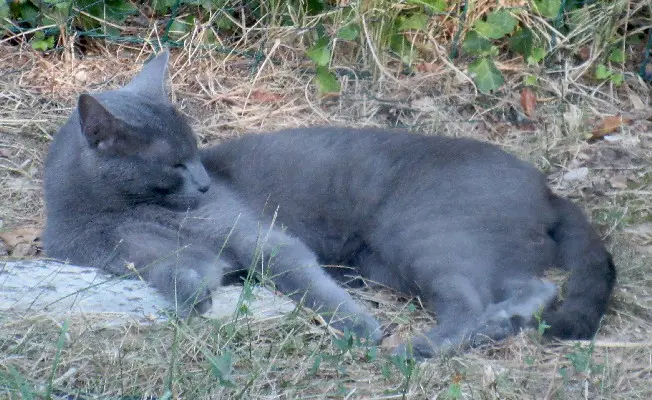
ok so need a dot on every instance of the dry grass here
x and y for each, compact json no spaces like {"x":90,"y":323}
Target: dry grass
{"x":290,"y":357}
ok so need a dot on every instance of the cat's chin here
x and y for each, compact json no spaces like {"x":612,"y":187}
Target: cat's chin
{"x":182,"y":203}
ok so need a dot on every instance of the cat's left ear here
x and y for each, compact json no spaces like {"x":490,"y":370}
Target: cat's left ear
{"x":150,"y":81}
{"x":102,"y":130}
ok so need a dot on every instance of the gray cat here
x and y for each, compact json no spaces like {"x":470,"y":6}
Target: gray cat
{"x":125,"y":191}
{"x":460,"y":223}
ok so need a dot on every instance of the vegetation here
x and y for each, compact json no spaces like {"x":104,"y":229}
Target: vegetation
{"x":537,"y":77}
{"x":365,"y":33}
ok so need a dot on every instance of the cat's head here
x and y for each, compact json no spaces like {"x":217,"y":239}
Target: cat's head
{"x":141,"y":147}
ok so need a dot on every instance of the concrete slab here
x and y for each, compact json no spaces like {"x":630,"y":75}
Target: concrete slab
{"x":31,"y":287}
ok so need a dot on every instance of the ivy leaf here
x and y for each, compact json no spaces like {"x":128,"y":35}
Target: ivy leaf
{"x":59,"y":4}
{"x":521,"y":42}
{"x":617,"y":56}
{"x":326,"y":81}
{"x":403,"y":48}
{"x":602,"y":72}
{"x":162,"y":6}
{"x":485,"y":74}
{"x":415,"y":22}
{"x":548,"y":8}
{"x":178,"y":28}
{"x":535,"y":57}
{"x":119,"y":10}
{"x":223,"y":23}
{"x":29,"y":14}
{"x":476,"y":44}
{"x":499,"y":23}
{"x":436,"y":6}
{"x":617,"y":79}
{"x":349,"y":32}
{"x":319,"y":52}
{"x":530,"y":80}
{"x":315,"y":6}
{"x":4,"y":12}
{"x":40,"y":42}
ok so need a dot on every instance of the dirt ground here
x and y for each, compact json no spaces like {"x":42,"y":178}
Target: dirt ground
{"x":610,"y":177}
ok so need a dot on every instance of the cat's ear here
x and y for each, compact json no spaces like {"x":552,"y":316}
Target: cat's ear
{"x":150,"y":81}
{"x":100,"y":128}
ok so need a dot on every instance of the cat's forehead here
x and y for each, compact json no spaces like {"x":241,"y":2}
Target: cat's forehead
{"x":157,"y":122}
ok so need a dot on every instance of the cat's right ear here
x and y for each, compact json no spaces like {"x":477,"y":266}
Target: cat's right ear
{"x":150,"y":81}
{"x":101,"y":129}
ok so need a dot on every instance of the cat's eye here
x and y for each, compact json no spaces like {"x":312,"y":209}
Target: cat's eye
{"x":163,"y":190}
{"x":179,"y":166}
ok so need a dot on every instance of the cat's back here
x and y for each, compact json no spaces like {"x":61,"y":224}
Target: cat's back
{"x":333,"y":157}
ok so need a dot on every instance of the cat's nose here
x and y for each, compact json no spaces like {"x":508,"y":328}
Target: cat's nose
{"x":203,"y":188}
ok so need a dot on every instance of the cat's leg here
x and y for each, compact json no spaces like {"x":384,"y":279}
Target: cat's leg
{"x":457,"y":305}
{"x":187,"y":278}
{"x":295,"y":271}
{"x":524,"y":298}
{"x":460,"y":325}
{"x":184,"y":274}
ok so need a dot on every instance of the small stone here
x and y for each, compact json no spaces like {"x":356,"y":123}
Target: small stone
{"x":24,"y":250}
{"x":576,"y":174}
{"x":618,"y":182}
{"x":81,"y":76}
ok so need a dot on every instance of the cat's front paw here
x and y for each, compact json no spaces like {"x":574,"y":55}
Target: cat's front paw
{"x":191,"y":293}
{"x":420,"y":349}
{"x":361,"y":325}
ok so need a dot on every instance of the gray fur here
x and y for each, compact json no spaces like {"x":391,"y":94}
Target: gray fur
{"x":124,"y":186}
{"x":460,"y":223}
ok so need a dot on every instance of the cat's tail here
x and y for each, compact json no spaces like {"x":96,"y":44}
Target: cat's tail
{"x":593,"y":275}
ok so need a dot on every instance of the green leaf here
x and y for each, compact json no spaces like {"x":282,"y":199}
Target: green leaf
{"x":522,"y":41}
{"x":617,"y":79}
{"x":454,"y":391}
{"x":4,"y":12}
{"x":326,"y":81}
{"x":178,"y":28}
{"x":29,"y":14}
{"x":548,"y":8}
{"x":530,"y":80}
{"x":223,"y":22}
{"x":315,"y":6}
{"x":415,"y":22}
{"x":634,"y":39}
{"x":485,"y":74}
{"x":222,"y":367}
{"x":208,"y":37}
{"x":403,"y":48}
{"x":499,"y":23}
{"x":349,"y":32}
{"x":119,"y":10}
{"x":476,"y":44}
{"x":535,"y":57}
{"x":602,"y":72}
{"x":315,"y":365}
{"x":617,"y":56}
{"x":41,"y":42}
{"x":59,"y":4}
{"x":435,"y":6}
{"x":320,"y":53}
{"x":162,"y":6}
